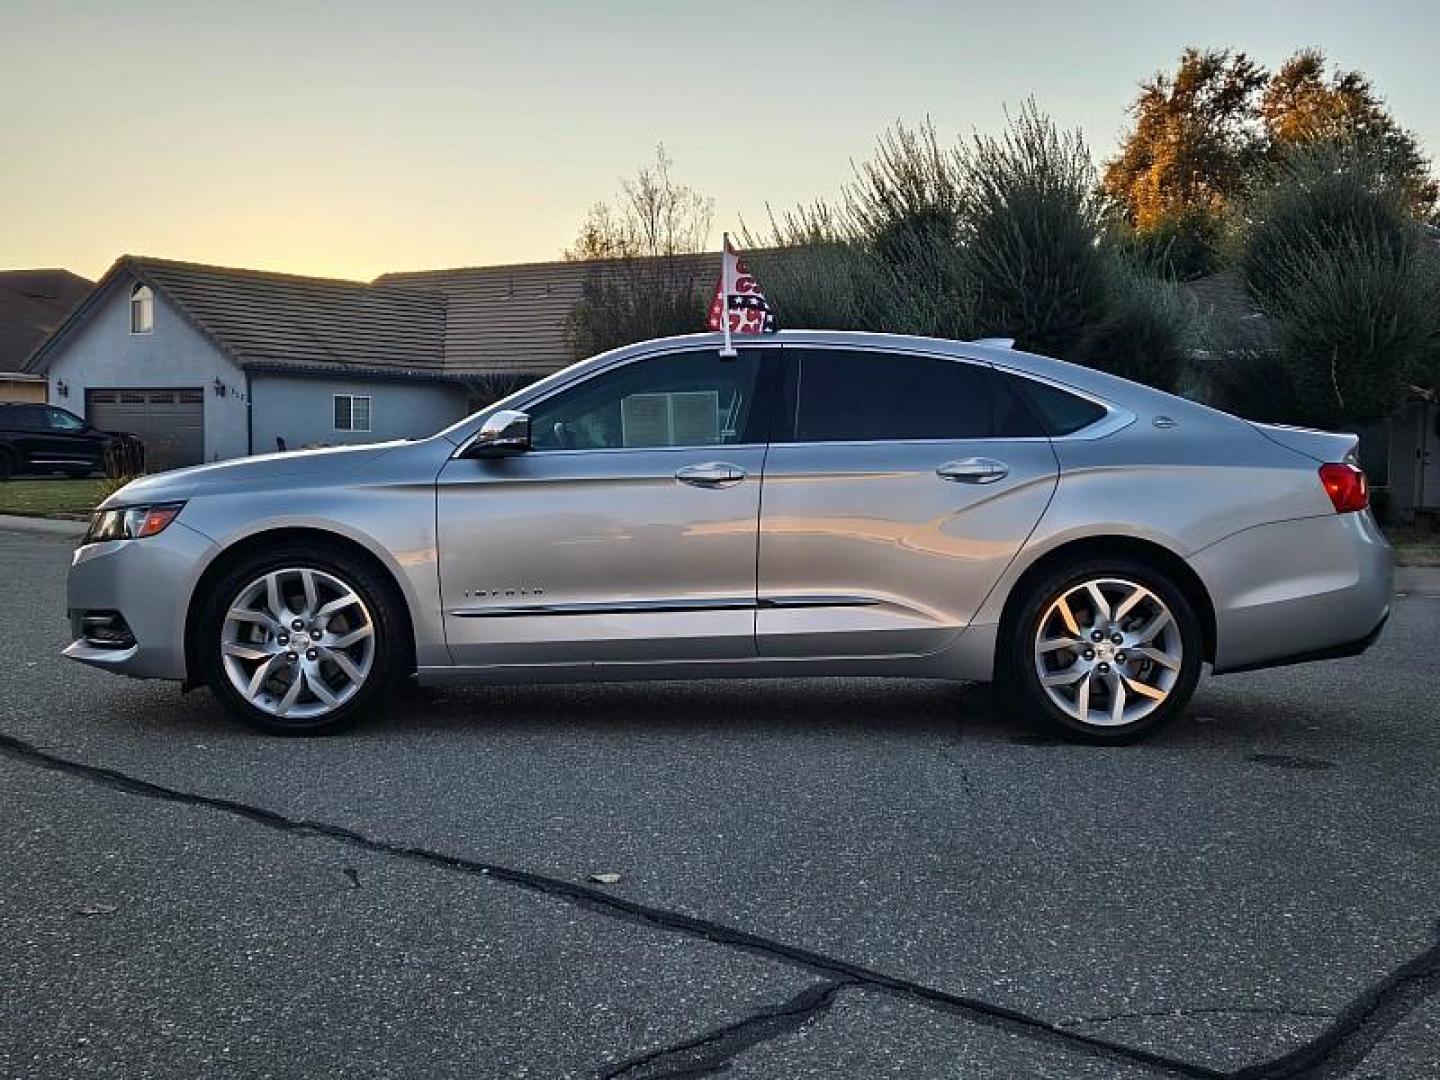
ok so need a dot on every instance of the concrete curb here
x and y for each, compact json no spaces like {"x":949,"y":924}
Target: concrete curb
{"x":46,"y":526}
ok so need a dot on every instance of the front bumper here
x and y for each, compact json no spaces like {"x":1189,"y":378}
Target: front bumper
{"x":149,"y":583}
{"x":1294,"y":591}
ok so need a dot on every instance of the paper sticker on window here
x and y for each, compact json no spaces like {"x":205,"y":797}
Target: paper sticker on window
{"x":681,"y":418}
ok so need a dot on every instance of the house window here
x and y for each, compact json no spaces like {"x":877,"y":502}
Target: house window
{"x":142,"y":310}
{"x":352,"y":412}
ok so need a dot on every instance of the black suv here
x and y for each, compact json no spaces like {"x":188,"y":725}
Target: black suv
{"x":44,"y":438}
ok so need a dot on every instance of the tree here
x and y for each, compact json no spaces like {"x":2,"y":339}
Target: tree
{"x":1301,"y":106}
{"x":646,"y":281}
{"x":994,"y":236}
{"x":1348,"y":280}
{"x":1195,"y":137}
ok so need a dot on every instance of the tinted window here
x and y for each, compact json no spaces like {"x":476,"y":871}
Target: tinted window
{"x":1058,"y":410}
{"x":694,"y":398}
{"x":844,"y":395}
{"x":25,"y":417}
{"x":60,"y":420}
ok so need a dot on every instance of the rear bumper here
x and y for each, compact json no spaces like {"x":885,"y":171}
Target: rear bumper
{"x":149,"y":583}
{"x":1295,"y":591}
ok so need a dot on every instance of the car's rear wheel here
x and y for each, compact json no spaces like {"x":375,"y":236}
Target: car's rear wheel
{"x":299,"y":641}
{"x":1106,"y":650}
{"x":7,"y":464}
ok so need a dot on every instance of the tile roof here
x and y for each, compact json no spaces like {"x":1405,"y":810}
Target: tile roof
{"x":456,"y":323}
{"x":511,"y":318}
{"x":32,"y":304}
{"x":285,"y":319}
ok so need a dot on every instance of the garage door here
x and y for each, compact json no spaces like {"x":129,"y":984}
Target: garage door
{"x":172,"y":422}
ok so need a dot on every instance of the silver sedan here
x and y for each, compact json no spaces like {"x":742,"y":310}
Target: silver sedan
{"x":818,"y":504}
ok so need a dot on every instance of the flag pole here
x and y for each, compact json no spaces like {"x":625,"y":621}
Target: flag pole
{"x":729,"y":349}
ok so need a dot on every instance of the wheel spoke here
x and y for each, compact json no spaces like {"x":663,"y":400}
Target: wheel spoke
{"x":1082,"y":700}
{"x":1153,"y":692}
{"x":1154,"y":626}
{"x":312,"y":597}
{"x":272,"y":597}
{"x":1160,"y":657}
{"x":1117,"y":699}
{"x":340,"y":603}
{"x":257,"y":680}
{"x":1068,"y":677}
{"x":345,"y":641}
{"x":1053,"y":644}
{"x":320,"y":690}
{"x":345,"y":664}
{"x":261,"y":618}
{"x":1067,"y":616}
{"x":292,"y":695}
{"x":1136,"y":595}
{"x":1098,"y":601}
{"x":245,"y":650}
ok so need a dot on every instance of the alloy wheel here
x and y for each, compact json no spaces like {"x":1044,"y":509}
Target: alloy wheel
{"x":1108,"y":652}
{"x":297,"y":643}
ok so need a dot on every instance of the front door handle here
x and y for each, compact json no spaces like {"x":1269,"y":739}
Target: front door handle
{"x":973,"y":470}
{"x":712,"y":474}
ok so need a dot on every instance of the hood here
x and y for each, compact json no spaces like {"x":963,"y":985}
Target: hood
{"x":252,"y":473}
{"x":1323,"y":446}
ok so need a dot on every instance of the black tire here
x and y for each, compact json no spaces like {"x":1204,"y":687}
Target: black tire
{"x":7,"y":463}
{"x":381,"y":599}
{"x":1017,"y":663}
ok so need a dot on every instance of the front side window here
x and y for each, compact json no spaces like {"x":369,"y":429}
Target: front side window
{"x":694,"y":398}
{"x":60,"y":420}
{"x":142,"y":310}
{"x":352,"y":412}
{"x":843,"y":395}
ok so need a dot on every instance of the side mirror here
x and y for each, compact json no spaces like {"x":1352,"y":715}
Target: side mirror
{"x":503,"y":433}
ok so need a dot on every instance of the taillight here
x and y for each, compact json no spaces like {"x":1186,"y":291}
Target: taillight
{"x":1346,"y":486}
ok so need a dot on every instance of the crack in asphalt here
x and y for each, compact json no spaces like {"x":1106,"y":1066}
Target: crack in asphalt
{"x":1183,"y":1012}
{"x":1368,"y":1018}
{"x":1357,"y":1028}
{"x":709,"y":1052}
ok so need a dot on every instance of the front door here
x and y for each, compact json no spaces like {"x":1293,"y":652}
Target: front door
{"x":626,"y":533}
{"x":898,"y":488}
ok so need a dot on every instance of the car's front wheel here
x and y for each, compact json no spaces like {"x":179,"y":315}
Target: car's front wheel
{"x":298,"y":641}
{"x":1107,"y":650}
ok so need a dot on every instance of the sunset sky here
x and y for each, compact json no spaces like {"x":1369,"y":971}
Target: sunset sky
{"x":352,"y":138}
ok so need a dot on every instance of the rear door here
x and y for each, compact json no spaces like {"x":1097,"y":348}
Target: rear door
{"x":898,"y":488}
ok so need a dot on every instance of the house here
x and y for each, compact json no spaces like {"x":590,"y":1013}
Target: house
{"x":208,"y":362}
{"x":32,"y":304}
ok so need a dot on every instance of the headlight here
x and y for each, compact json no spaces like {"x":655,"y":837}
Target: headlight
{"x":130,"y":522}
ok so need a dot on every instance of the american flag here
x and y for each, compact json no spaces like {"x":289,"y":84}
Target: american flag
{"x":749,"y":310}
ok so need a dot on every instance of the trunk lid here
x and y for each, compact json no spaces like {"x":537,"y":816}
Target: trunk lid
{"x":1322,"y":446}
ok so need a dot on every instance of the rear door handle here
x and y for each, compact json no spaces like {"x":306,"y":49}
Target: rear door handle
{"x":973,"y":470}
{"x":711,"y":474}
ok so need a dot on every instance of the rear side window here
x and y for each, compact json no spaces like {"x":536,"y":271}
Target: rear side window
{"x":1061,"y":412}
{"x":845,"y":395}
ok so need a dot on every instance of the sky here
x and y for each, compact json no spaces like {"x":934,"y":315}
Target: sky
{"x":351,"y":138}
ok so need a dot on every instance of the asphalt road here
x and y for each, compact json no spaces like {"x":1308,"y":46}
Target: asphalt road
{"x":818,"y":879}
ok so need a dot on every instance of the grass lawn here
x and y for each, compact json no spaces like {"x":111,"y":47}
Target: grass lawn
{"x":51,"y":496}
{"x":1415,"y":547}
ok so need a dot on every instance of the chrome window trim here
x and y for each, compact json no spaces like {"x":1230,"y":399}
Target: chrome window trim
{"x":524,"y":404}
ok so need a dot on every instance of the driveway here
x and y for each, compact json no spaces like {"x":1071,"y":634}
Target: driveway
{"x":816,"y":879}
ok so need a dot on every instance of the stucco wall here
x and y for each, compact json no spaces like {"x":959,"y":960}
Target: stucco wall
{"x":103,"y":354}
{"x":301,"y":410}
